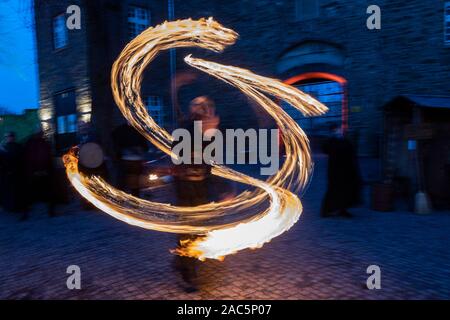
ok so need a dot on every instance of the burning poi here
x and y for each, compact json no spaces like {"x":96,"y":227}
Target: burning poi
{"x":218,"y":239}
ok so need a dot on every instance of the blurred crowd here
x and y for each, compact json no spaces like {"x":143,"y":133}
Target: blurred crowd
{"x":26,"y":174}
{"x":31,"y":172}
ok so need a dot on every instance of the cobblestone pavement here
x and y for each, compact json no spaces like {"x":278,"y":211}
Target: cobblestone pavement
{"x":316,"y":259}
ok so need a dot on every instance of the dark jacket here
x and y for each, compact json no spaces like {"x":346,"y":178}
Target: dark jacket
{"x":344,"y":181}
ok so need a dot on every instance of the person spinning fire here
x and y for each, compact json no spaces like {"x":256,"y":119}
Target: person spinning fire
{"x":192,"y":181}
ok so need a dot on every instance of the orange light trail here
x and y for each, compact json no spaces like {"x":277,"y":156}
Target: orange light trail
{"x":216,"y":239}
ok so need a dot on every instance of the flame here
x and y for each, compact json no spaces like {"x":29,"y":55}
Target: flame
{"x":216,"y":239}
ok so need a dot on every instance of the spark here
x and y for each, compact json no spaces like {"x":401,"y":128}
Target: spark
{"x":216,"y":238}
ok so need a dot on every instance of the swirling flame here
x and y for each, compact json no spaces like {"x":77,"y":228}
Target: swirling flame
{"x":216,"y":239}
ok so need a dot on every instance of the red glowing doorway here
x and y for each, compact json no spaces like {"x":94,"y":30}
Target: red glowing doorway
{"x":311,"y":79}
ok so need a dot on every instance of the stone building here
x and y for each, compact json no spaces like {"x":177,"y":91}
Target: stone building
{"x":75,"y":65}
{"x":322,"y":46}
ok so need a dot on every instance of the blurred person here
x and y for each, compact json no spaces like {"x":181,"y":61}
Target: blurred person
{"x":11,"y":175}
{"x":130,"y":148}
{"x":85,"y":133}
{"x":192,"y":181}
{"x":39,"y":173}
{"x":200,"y":109}
{"x":91,"y":156}
{"x":344,"y":182}
{"x":92,"y":159}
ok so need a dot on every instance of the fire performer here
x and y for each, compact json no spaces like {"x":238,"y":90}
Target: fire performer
{"x":220,"y":239}
{"x":130,"y":149}
{"x":192,"y":181}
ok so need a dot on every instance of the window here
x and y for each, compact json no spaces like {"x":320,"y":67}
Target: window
{"x":59,"y":31}
{"x":306,"y":9}
{"x":138,"y":20}
{"x":66,"y":112}
{"x":331,"y":94}
{"x":447,"y":23}
{"x":155,"y":109}
{"x":67,"y":124}
{"x":65,"y":120}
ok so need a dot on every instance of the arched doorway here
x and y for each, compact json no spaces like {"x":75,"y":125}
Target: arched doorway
{"x":314,"y":66}
{"x":328,"y":88}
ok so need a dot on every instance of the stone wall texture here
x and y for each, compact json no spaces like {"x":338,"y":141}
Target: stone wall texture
{"x":406,"y":56}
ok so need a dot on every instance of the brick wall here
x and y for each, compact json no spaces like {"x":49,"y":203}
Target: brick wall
{"x":407,"y":55}
{"x":61,"y":69}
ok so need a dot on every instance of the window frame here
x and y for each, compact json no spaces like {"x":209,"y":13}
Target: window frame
{"x":321,"y":77}
{"x":55,"y":32}
{"x":66,"y":123}
{"x":61,"y":125}
{"x":66,"y":113}
{"x":136,"y":20}
{"x":155,"y":107}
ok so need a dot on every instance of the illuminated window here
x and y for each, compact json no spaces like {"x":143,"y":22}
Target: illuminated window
{"x":66,"y":112}
{"x":138,"y":20}
{"x":67,"y":124}
{"x":59,"y":31}
{"x":447,"y":23}
{"x":331,"y":94}
{"x":155,"y":108}
{"x":306,"y":9}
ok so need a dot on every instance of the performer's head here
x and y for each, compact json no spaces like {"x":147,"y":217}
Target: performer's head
{"x":202,"y":108}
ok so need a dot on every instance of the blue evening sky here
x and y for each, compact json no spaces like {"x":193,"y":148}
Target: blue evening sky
{"x":18,"y":66}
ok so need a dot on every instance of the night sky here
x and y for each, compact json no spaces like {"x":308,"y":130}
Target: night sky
{"x":18,"y":68}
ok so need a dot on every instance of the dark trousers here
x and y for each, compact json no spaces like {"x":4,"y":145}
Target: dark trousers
{"x":189,"y":193}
